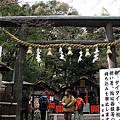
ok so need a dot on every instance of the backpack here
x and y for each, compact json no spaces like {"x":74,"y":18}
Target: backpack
{"x":44,"y":102}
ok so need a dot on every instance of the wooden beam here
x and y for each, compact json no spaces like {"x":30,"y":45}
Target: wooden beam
{"x":7,"y":103}
{"x":60,"y":20}
{"x":7,"y":116}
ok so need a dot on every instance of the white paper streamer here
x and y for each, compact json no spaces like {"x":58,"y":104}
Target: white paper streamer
{"x":80,"y":57}
{"x":61,"y":54}
{"x":96,"y":54}
{"x":38,"y":57}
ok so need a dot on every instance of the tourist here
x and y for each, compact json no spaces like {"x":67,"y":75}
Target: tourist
{"x":68,"y":102}
{"x":44,"y":102}
{"x":25,"y":106}
{"x":79,"y":104}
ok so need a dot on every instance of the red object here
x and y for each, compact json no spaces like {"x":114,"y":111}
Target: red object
{"x":51,"y":105}
{"x":49,"y":92}
{"x":60,"y":102}
{"x":94,"y":108}
{"x":59,"y":109}
{"x":86,"y":96}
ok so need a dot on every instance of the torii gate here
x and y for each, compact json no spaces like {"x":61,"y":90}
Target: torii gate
{"x":77,"y":21}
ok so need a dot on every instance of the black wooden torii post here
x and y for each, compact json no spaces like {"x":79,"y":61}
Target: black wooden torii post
{"x":19,"y":70}
{"x":77,"y":21}
{"x":111,"y":57}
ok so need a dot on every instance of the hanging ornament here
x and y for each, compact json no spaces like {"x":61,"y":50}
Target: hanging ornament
{"x":109,"y":50}
{"x":49,"y":52}
{"x":70,"y":51}
{"x":38,"y":57}
{"x":80,"y":57}
{"x":87,"y":53}
{"x":61,"y":54}
{"x":96,"y":54}
{"x":29,"y":50}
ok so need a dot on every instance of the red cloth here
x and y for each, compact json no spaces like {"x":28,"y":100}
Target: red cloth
{"x":86,"y":96}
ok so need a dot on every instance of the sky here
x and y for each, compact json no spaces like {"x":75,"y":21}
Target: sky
{"x":90,"y":7}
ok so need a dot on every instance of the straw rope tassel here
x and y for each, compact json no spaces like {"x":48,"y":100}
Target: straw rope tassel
{"x":29,"y":50}
{"x":49,"y":52}
{"x":87,"y":53}
{"x":109,"y":50}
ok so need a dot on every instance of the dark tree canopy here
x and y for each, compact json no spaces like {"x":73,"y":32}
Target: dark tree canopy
{"x":50,"y":68}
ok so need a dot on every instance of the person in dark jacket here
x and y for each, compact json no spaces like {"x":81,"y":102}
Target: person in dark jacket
{"x":25,"y":106}
{"x":44,"y":102}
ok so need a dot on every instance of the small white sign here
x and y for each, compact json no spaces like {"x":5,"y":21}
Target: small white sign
{"x":51,"y":98}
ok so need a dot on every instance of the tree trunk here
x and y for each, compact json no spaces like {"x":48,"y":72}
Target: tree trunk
{"x":19,"y":71}
{"x":111,"y":57}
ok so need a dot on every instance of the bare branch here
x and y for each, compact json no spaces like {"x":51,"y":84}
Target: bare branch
{"x":34,"y":22}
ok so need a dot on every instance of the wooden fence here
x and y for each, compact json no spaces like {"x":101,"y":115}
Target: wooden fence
{"x":7,"y":110}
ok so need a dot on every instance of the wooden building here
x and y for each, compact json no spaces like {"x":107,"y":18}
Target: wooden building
{"x":85,"y":86}
{"x":4,"y":93}
{"x":27,"y":86}
{"x":50,"y":90}
{"x":43,"y":85}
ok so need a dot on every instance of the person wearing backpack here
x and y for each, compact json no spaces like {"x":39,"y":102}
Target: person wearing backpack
{"x":43,"y":102}
{"x":79,"y":104}
{"x":68,"y":102}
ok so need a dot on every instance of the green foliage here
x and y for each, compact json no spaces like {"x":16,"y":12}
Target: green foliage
{"x":91,"y":33}
{"x":50,"y":69}
{"x":13,"y":10}
{"x":52,"y":8}
{"x":61,"y":72}
{"x":32,"y":71}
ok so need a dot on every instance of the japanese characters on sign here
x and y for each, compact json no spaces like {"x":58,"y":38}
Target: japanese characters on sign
{"x":110,"y":94}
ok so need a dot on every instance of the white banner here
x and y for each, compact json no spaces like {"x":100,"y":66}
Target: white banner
{"x":110,"y":94}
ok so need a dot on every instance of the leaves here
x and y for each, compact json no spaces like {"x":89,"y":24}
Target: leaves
{"x":50,"y":69}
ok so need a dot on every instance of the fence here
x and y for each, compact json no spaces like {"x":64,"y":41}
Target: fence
{"x":94,"y":109}
{"x":7,"y":110}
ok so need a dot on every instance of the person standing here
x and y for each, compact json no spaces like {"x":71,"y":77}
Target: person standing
{"x":43,"y":102}
{"x":25,"y":106}
{"x":79,"y":104}
{"x":68,"y":102}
